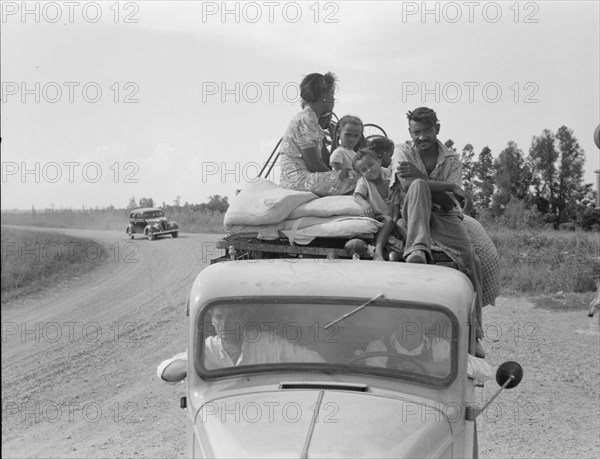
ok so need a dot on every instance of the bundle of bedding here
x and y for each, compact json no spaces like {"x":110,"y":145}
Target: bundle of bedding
{"x":267,"y":211}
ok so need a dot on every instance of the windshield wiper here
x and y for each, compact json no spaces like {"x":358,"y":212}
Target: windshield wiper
{"x":354,"y":311}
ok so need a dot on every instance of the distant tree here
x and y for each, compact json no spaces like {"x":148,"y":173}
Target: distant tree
{"x":449,"y":144}
{"x":484,"y":180}
{"x":177,"y":201}
{"x":146,"y":202}
{"x":468,"y":177}
{"x":217,"y":203}
{"x":588,"y":217}
{"x":543,"y":156}
{"x":512,"y":177}
{"x":468,"y":167}
{"x":132,"y":204}
{"x":571,"y":191}
{"x":557,"y":161}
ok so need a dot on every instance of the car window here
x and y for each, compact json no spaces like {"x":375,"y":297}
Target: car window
{"x":418,"y":342}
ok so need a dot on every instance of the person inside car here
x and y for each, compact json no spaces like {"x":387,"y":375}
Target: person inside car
{"x":421,"y":352}
{"x":234,"y":345}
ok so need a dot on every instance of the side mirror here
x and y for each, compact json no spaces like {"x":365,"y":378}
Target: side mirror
{"x":509,"y":375}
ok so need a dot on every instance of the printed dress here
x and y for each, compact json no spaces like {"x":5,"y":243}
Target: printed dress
{"x":304,"y":132}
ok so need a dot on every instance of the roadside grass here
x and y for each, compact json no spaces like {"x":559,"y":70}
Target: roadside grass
{"x":33,"y":261}
{"x":555,"y":270}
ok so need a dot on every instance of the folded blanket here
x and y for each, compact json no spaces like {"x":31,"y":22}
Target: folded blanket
{"x":264,"y":203}
{"x":329,"y":206}
{"x":346,"y":227}
{"x":270,"y":232}
{"x":304,"y":230}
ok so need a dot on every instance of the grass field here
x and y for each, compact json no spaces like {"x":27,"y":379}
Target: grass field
{"x":544,"y":262}
{"x":32,"y":260}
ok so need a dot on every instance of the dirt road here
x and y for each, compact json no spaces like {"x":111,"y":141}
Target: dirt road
{"x":79,"y":361}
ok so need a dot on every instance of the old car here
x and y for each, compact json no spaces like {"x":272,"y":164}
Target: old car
{"x":285,"y":359}
{"x":150,"y":222}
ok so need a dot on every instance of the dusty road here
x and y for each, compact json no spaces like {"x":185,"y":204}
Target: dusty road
{"x":79,"y":360}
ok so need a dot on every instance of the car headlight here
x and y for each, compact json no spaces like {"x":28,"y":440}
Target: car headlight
{"x":156,"y":226}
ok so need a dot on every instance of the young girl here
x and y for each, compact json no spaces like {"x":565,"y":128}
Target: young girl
{"x":350,"y":130}
{"x":384,"y":148}
{"x":380,"y":198}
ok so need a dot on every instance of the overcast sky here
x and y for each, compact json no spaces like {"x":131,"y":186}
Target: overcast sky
{"x":104,"y":101}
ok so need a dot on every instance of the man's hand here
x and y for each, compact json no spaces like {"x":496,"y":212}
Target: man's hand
{"x":409,"y":170}
{"x":442,"y":199}
{"x":460,"y":195}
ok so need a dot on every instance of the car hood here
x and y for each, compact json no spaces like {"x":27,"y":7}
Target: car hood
{"x":156,"y":220}
{"x":283,"y":423}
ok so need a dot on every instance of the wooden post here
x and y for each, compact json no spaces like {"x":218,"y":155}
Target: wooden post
{"x":594,"y":312}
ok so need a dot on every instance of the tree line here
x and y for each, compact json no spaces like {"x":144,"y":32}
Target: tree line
{"x":546,"y":185}
{"x":216,"y":203}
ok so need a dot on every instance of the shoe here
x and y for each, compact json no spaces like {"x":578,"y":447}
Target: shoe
{"x":418,"y":256}
{"x":479,"y":351}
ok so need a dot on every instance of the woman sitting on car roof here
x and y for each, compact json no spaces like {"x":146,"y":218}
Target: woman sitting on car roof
{"x":302,"y":165}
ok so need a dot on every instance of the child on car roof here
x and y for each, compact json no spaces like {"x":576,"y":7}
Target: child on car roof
{"x":380,"y":197}
{"x":350,"y":130}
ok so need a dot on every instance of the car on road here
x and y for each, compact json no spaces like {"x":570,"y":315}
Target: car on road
{"x":150,"y":222}
{"x":308,"y":378}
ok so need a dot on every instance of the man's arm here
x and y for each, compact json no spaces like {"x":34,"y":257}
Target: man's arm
{"x":408,"y":172}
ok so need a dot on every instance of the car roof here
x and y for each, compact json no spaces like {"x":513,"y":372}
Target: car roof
{"x":335,"y":278}
{"x":146,"y":209}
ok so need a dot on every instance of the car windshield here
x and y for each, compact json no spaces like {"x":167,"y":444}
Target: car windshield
{"x":154,"y":214}
{"x":413,"y":341}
